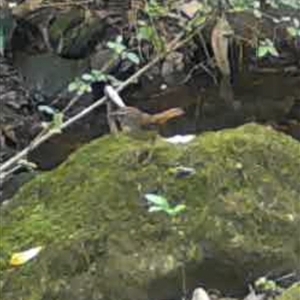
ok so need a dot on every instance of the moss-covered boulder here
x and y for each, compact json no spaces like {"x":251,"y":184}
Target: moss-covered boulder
{"x":100,"y":242}
{"x":293,"y":293}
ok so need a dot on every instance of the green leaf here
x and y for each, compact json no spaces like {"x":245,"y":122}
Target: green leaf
{"x":119,"y":39}
{"x":296,"y":22}
{"x":116,"y":47}
{"x":179,"y":208}
{"x":155,"y":209}
{"x":154,"y":9}
{"x":133,"y":58}
{"x":262,"y":51}
{"x":88,"y":77}
{"x":86,"y":88}
{"x":111,"y":45}
{"x":73,"y":86}
{"x":171,"y":213}
{"x":120,"y":49}
{"x":294,"y":32}
{"x":96,"y":73}
{"x":79,"y":92}
{"x":266,"y":47}
{"x":101,"y":77}
{"x":145,"y":33}
{"x":57,"y":123}
{"x":157,"y":200}
{"x":47,"y":109}
{"x":273,"y":51}
{"x":257,"y":13}
{"x":176,"y":210}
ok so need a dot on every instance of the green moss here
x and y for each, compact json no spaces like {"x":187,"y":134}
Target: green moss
{"x":293,"y":293}
{"x":90,"y":215}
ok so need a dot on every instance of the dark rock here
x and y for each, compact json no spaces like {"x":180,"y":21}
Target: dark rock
{"x":100,"y":242}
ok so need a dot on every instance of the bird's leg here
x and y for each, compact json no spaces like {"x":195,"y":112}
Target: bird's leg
{"x":111,"y":119}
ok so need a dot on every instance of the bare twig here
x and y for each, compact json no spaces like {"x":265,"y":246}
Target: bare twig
{"x":71,"y":103}
{"x":196,"y":67}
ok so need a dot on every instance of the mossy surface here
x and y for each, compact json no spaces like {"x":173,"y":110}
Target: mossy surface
{"x":293,"y":293}
{"x":243,"y":208}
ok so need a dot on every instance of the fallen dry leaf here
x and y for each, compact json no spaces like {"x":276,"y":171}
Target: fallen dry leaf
{"x":20,"y":258}
{"x":220,"y":44}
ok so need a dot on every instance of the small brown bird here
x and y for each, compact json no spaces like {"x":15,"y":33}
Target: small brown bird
{"x":142,"y":125}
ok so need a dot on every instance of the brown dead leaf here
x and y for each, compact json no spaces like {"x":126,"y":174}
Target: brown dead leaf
{"x":220,"y":44}
{"x":132,"y":13}
{"x":7,"y":133}
{"x":191,"y":8}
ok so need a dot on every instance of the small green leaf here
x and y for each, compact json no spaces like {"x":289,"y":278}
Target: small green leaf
{"x":155,"y":209}
{"x":266,"y":47}
{"x":257,"y":13}
{"x":101,"y":77}
{"x":256,"y":4}
{"x":273,"y":51}
{"x":262,"y":51}
{"x":145,"y":33}
{"x":87,"y":88}
{"x":296,"y":22}
{"x":119,"y":49}
{"x":133,"y":58}
{"x":111,"y":45}
{"x":73,"y":86}
{"x":119,"y":39}
{"x":47,"y":109}
{"x":57,"y":123}
{"x":294,"y":32}
{"x":157,"y":200}
{"x":79,"y":92}
{"x":176,"y":210}
{"x":87,"y":77}
{"x":285,"y":19}
{"x":179,"y":208}
{"x":155,"y":9}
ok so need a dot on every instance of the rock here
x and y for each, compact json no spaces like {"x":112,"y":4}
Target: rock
{"x":15,"y":115}
{"x":54,"y":77}
{"x":75,"y":32}
{"x":100,"y":241}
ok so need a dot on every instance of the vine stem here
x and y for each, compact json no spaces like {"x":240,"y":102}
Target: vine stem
{"x":176,"y":43}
